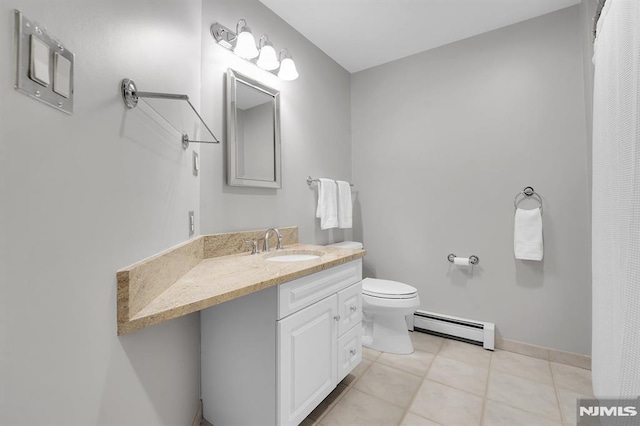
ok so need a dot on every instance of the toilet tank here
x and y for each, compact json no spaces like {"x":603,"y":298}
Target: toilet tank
{"x":348,"y":244}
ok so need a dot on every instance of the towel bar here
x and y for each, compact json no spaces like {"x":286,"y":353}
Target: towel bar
{"x":310,"y":180}
{"x":131,"y":95}
{"x":526,"y":193}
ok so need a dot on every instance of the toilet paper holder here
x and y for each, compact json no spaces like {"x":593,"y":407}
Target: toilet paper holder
{"x":473,"y":259}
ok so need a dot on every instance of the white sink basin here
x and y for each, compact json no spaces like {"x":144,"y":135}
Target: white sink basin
{"x":293,"y":257}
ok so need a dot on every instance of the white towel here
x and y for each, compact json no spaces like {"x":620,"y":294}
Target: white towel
{"x":327,"y":210}
{"x":527,"y":234}
{"x":345,"y":206}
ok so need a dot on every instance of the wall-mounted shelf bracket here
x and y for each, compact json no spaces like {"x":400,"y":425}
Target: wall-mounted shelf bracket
{"x":184,"y":117}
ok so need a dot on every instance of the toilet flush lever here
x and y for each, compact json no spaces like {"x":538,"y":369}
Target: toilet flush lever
{"x":354,"y":308}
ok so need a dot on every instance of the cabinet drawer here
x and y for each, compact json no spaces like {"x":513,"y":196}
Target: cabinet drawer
{"x":350,"y":307}
{"x":349,"y":351}
{"x":298,"y":294}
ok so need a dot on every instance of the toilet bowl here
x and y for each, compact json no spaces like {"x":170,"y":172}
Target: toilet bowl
{"x":385,"y":304}
{"x":384,"y":307}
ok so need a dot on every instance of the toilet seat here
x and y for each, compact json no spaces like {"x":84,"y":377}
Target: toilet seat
{"x":387,"y":289}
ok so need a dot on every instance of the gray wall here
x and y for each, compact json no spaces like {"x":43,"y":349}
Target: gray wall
{"x":587,"y":13}
{"x":444,"y":140}
{"x":316,"y":128}
{"x":82,"y":196}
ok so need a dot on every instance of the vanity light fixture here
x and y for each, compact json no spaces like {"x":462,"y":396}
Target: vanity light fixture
{"x":243,"y":44}
{"x":288,"y":69}
{"x":268,"y":60}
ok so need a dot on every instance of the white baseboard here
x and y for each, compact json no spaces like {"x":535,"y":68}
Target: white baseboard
{"x":554,"y":355}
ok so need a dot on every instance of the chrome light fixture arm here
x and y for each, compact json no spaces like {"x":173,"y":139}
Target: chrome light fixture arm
{"x":223,"y":36}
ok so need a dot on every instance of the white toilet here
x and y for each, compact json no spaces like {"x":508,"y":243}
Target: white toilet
{"x":384,"y":307}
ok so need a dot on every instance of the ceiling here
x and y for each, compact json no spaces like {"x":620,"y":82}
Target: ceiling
{"x":360,"y":34}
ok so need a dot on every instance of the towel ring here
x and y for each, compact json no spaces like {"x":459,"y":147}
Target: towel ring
{"x":527,"y":192}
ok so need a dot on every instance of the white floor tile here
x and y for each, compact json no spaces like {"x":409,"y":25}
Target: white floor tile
{"x":426,"y":342}
{"x":497,"y":414}
{"x":446,"y":405}
{"x":572,"y":378}
{"x":528,"y":367}
{"x":358,"y":408}
{"x":389,"y":383}
{"x":525,"y":394}
{"x":416,"y":363}
{"x":466,"y":352}
{"x":411,"y":419}
{"x":462,"y":385}
{"x":458,"y":374}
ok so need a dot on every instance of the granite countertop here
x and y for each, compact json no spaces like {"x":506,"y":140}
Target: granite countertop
{"x":209,"y":281}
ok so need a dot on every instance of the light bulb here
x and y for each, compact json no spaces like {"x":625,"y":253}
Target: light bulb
{"x":288,"y":69}
{"x":268,"y":59}
{"x":245,"y":44}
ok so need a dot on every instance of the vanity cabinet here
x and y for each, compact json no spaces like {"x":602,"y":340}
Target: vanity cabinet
{"x":319,"y":345}
{"x":271,"y":357}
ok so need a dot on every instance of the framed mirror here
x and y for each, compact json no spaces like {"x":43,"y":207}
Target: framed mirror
{"x":253,"y":133}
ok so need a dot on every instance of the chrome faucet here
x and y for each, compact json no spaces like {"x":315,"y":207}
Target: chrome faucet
{"x":254,"y":246}
{"x":266,"y":239}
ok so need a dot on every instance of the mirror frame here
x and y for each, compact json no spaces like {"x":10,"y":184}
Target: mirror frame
{"x":233,"y":78}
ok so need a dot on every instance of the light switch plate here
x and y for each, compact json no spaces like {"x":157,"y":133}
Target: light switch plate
{"x":35,"y":72}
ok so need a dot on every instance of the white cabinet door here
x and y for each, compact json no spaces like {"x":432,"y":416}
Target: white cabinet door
{"x":307,"y":362}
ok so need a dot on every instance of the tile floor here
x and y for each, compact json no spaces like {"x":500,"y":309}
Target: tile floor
{"x":449,"y":383}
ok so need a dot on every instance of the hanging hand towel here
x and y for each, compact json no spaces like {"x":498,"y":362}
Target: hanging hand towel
{"x":527,"y":234}
{"x":327,"y":210}
{"x":345,"y":207}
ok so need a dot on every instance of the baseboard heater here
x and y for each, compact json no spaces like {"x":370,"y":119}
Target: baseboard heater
{"x":476,"y":332}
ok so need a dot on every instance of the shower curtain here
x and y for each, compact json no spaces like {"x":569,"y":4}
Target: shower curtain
{"x":616,"y":202}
